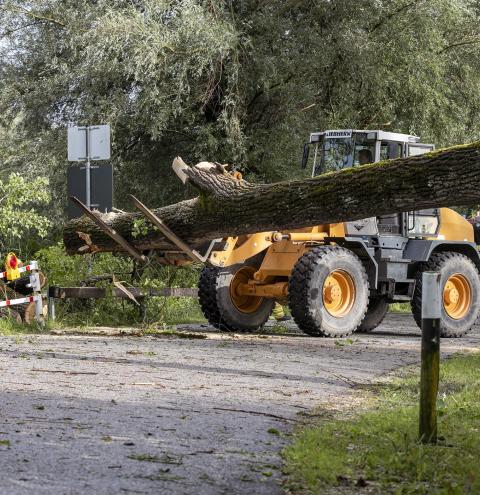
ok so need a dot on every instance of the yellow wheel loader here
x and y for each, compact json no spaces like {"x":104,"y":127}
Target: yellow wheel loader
{"x":340,"y":278}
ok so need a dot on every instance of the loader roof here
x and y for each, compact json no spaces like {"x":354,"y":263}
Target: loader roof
{"x":371,"y":134}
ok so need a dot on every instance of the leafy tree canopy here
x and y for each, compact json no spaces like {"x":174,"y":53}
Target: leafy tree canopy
{"x":242,"y":82}
{"x":19,"y":200}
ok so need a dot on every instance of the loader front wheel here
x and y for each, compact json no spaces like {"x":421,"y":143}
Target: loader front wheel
{"x":328,"y":292}
{"x":224,"y":306}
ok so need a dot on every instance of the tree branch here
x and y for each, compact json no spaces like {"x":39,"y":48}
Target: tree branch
{"x":34,"y":15}
{"x":456,"y":45}
{"x":391,"y":15}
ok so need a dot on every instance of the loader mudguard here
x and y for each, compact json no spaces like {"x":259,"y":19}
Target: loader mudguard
{"x":366,"y":254}
{"x":419,"y":250}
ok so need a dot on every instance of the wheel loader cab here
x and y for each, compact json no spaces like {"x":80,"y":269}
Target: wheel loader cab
{"x":341,"y":278}
{"x":338,"y":149}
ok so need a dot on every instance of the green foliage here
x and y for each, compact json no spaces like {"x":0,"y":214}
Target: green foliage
{"x":396,"y":65}
{"x":153,"y":69}
{"x":18,"y":217}
{"x":70,"y":271}
{"x":140,"y":227}
{"x":240,"y":82}
{"x":172,"y":310}
{"x":380,"y":447}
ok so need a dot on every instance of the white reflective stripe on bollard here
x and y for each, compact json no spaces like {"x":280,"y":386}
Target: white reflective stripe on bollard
{"x":431,"y":296}
{"x":430,"y":366}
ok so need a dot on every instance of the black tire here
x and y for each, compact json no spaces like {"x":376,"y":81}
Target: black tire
{"x":306,"y":292}
{"x":448,"y":264}
{"x":219,"y":309}
{"x":376,"y":312}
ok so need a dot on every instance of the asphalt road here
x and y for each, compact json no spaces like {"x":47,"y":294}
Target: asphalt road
{"x":102,"y":415}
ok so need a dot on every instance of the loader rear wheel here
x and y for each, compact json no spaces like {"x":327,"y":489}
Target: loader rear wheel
{"x":376,"y":312}
{"x":222,"y":304}
{"x":328,"y":292}
{"x":460,"y":290}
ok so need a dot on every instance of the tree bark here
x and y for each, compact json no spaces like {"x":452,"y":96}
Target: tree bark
{"x":229,"y":206}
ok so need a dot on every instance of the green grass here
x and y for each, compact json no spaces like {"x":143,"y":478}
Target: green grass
{"x":9,"y":326}
{"x":117,"y":313}
{"x":378,"y":447}
{"x":400,"y":308}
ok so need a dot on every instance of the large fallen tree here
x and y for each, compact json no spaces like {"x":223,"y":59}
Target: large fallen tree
{"x":229,"y":206}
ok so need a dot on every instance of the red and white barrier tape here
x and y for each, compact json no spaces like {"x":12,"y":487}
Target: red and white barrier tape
{"x":35,"y":286}
{"x":33,"y":265}
{"x":21,"y":300}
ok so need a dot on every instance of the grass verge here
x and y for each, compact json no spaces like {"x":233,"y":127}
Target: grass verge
{"x":9,"y":326}
{"x":376,"y":450}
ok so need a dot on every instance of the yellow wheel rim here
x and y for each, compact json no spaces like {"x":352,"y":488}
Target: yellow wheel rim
{"x":457,"y":296}
{"x":338,"y":293}
{"x":244,"y":303}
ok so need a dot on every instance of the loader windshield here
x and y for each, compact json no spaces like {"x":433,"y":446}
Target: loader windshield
{"x":336,"y":154}
{"x":339,"y":153}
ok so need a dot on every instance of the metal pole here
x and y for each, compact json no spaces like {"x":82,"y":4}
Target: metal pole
{"x":315,"y":160}
{"x":429,"y":376}
{"x":37,"y":292}
{"x":51,"y":304}
{"x":88,"y":200}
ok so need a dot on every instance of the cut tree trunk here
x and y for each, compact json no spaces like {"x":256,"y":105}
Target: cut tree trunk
{"x":21,"y":285}
{"x":229,"y":206}
{"x":28,"y":312}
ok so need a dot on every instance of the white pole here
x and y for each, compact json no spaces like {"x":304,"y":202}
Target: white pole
{"x":37,"y":292}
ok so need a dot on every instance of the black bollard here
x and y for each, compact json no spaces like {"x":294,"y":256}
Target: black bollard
{"x":429,"y":377}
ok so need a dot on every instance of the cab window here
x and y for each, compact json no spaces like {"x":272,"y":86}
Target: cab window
{"x":364,"y":151}
{"x":337,"y":155}
{"x":419,"y":149}
{"x":389,"y":150}
{"x":423,"y":222}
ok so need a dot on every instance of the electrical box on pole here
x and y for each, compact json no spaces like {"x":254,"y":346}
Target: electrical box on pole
{"x":92,"y":184}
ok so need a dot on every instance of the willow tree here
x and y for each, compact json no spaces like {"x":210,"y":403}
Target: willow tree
{"x":237,"y":82}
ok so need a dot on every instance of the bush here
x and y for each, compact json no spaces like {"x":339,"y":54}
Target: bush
{"x":65,"y":270}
